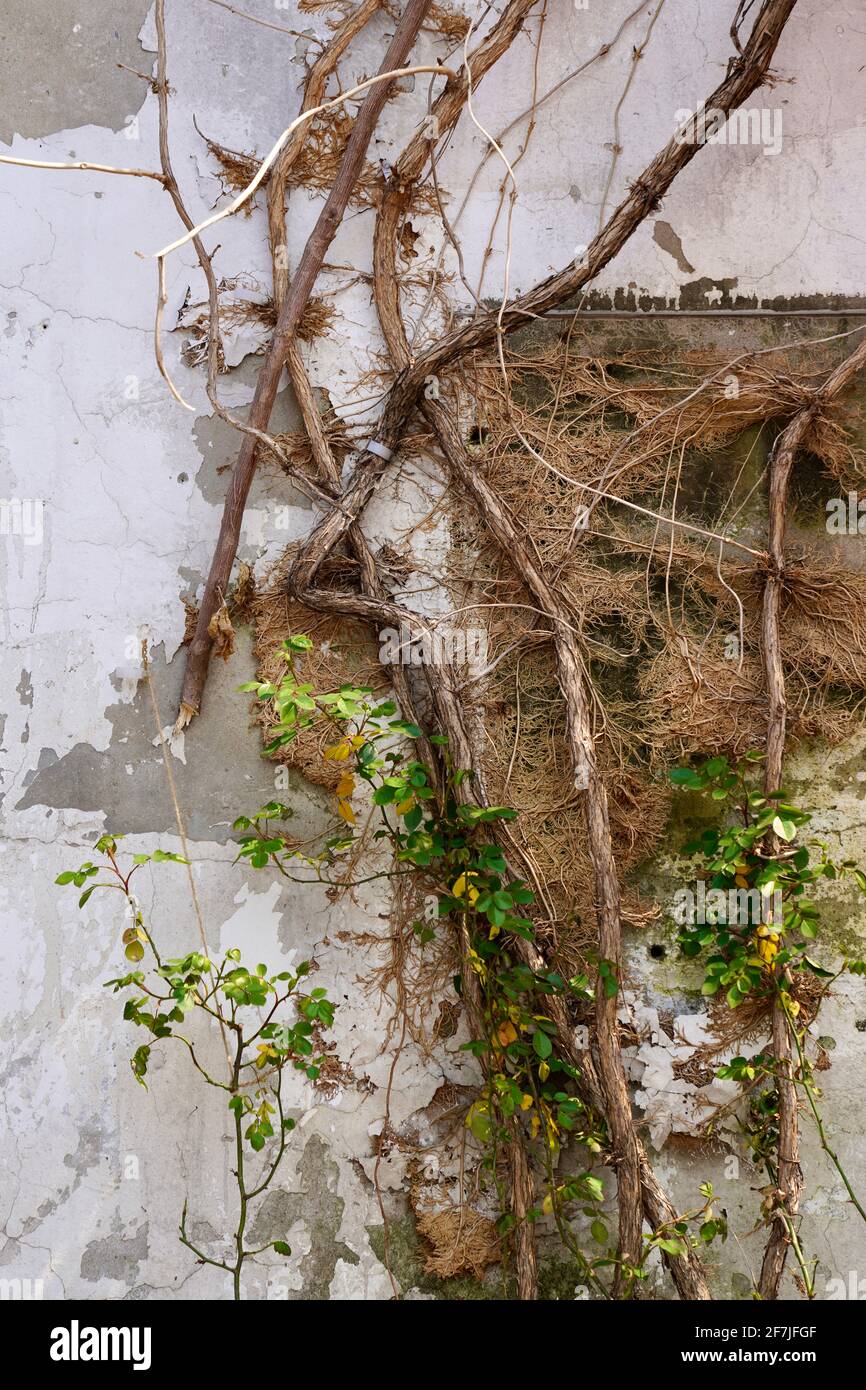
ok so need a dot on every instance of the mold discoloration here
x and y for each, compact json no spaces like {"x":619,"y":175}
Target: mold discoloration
{"x":665,"y":237}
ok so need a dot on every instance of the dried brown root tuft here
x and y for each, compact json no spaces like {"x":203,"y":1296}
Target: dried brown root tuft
{"x":461,"y":1241}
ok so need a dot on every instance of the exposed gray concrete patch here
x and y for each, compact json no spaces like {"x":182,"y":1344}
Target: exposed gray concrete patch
{"x":58,"y":65}
{"x":25,"y":689}
{"x":318,"y":1205}
{"x":665,"y":237}
{"x":115,"y":1257}
{"x":218,"y":444}
{"x":91,"y":1145}
{"x":132,"y":510}
{"x":47,"y":758}
{"x":224,"y":773}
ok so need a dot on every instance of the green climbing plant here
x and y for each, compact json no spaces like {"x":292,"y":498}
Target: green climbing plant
{"x":269,"y":1024}
{"x":443,"y":837}
{"x":753,"y":924}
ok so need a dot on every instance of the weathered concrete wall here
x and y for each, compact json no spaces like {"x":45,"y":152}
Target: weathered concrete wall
{"x":94,"y":1171}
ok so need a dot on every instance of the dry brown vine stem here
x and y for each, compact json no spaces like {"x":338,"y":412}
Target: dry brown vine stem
{"x":587,"y":778}
{"x":746,"y":75}
{"x":639,"y":1190}
{"x":369,"y":575}
{"x":205,"y":263}
{"x":314,"y":91}
{"x":749,"y":72}
{"x":445,"y":113}
{"x":268,"y":380}
{"x":790,"y":1176}
{"x":520,"y":1184}
{"x":687,"y":1272}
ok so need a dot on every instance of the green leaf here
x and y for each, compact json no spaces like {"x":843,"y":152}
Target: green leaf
{"x":138,"y":1062}
{"x":784,"y":828}
{"x":542,"y":1044}
{"x":672,"y":1247}
{"x":479,"y":1122}
{"x":282,"y":1248}
{"x":815,"y":968}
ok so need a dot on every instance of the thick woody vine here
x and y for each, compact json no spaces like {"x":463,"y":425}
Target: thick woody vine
{"x":747,"y":72}
{"x":512,"y":985}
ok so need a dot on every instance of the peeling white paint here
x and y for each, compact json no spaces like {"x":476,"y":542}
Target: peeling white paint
{"x":128,"y":530}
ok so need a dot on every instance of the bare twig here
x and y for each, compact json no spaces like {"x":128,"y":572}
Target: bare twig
{"x":254,"y":19}
{"x":82,"y":164}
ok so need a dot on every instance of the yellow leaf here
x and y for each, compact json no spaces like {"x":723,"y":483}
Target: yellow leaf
{"x":547,"y":1204}
{"x":506,"y":1033}
{"x":405,"y":806}
{"x":477,"y":964}
{"x":534,"y":1126}
{"x":344,"y":809}
{"x":526,"y":1102}
{"x":339,"y":752}
{"x":346,"y":785}
{"x":543,"y":1071}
